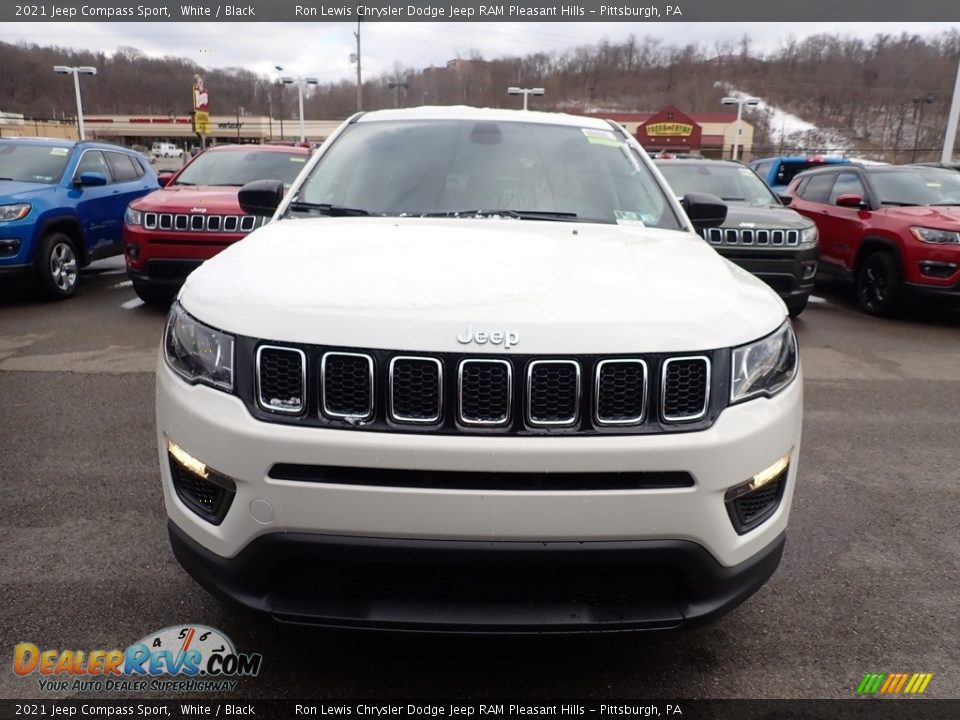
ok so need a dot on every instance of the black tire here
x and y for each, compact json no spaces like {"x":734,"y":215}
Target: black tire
{"x":880,"y":284}
{"x":58,"y":266}
{"x":153,"y":295}
{"x":797,"y":306}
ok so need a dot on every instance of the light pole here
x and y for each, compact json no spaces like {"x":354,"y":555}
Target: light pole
{"x":279,"y":69}
{"x":739,"y":102}
{"x":76,"y":72}
{"x":526,"y":92}
{"x":919,"y":102}
{"x":300,"y":82}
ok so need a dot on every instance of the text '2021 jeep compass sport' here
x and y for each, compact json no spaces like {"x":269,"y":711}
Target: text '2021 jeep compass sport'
{"x":478,"y":374}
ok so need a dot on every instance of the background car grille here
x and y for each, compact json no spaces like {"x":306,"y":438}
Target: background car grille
{"x":202,"y":222}
{"x":281,"y":379}
{"x":685,"y":388}
{"x":452,"y":393}
{"x":776,"y":237}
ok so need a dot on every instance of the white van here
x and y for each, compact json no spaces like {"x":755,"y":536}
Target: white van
{"x":166,"y":150}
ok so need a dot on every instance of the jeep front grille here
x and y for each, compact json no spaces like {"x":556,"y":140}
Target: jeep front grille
{"x":776,"y":237}
{"x":454,"y":393}
{"x":202,"y":222}
{"x":685,"y":390}
{"x":485,"y":392}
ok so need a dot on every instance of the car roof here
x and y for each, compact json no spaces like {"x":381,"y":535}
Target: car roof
{"x":464,"y":112}
{"x":826,"y":159}
{"x":27,"y":140}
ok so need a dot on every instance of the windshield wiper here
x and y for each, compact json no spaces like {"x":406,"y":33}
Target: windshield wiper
{"x":181,"y":182}
{"x":328,"y":209}
{"x":517,"y":214}
{"x":898,"y":204}
{"x":3,"y":178}
{"x":730,"y":199}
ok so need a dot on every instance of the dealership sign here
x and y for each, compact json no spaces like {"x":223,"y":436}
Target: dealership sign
{"x":668,"y":128}
{"x":664,"y":129}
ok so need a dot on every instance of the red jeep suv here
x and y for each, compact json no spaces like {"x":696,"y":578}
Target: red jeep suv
{"x":168,"y":233}
{"x":893,"y":230}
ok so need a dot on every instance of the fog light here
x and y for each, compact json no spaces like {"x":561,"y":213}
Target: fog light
{"x":808,"y":268}
{"x":203,"y":490}
{"x":751,"y":503}
{"x":9,"y":246}
{"x":937,"y":269}
{"x":133,"y":252}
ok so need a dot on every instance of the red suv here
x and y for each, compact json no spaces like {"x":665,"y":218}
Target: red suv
{"x":168,"y":233}
{"x":894,"y":231}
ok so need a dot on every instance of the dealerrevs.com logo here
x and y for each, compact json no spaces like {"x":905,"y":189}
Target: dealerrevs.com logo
{"x":178,"y":658}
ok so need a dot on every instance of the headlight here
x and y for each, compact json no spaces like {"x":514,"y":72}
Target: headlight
{"x":132,"y":217}
{"x":935,"y":236}
{"x":199,"y":354}
{"x":809,"y":236}
{"x":766,"y":366}
{"x":14,"y":212}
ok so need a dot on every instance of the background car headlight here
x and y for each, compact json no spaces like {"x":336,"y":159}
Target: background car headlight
{"x":14,"y":212}
{"x":809,"y":236}
{"x":766,"y":366}
{"x":199,"y":354}
{"x":935,"y":236}
{"x":132,"y":217}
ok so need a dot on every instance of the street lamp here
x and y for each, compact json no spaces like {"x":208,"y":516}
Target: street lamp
{"x":739,"y":102}
{"x":918,"y":103}
{"x":279,"y":69}
{"x":76,"y":72}
{"x":526,"y":92}
{"x":300,"y":82}
{"x":397,"y":86}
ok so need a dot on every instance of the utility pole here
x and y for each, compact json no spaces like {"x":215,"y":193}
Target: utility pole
{"x":918,"y":103}
{"x":947,"y":154}
{"x":359,"y":77}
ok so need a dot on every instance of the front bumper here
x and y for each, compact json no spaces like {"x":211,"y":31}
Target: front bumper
{"x":474,"y":586}
{"x":685,"y":532}
{"x":781,"y":269}
{"x":949,"y":295}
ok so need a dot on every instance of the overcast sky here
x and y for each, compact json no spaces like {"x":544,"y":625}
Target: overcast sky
{"x":323,"y":48}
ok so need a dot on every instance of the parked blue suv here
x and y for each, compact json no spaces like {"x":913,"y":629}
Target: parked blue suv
{"x":61,"y":207}
{"x":777,"y":172}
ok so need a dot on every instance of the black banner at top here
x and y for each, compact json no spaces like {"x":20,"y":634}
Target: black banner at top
{"x":636,"y":11}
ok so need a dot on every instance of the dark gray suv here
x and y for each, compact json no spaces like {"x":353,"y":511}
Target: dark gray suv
{"x":760,"y":234}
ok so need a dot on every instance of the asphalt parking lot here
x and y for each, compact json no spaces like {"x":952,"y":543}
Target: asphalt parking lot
{"x":869,"y":581}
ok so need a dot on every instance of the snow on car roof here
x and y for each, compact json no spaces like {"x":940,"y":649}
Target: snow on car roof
{"x":463,"y":112}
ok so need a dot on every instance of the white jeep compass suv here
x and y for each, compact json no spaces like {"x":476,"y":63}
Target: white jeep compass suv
{"x":478,"y":374}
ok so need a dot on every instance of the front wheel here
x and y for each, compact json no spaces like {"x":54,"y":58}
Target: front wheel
{"x":880,"y":284}
{"x":58,"y":267}
{"x":152,"y":295}
{"x":797,"y":306}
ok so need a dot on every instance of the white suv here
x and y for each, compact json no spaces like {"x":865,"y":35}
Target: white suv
{"x":479,"y":374}
{"x":166,"y":150}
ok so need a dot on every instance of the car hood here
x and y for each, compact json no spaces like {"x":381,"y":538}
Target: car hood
{"x":12,"y":191}
{"x":415,"y":284}
{"x":764,"y":216}
{"x":212,"y":198}
{"x":938,"y":216}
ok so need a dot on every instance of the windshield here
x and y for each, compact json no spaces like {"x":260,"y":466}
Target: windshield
{"x":443,"y":167}
{"x":922,"y":186}
{"x":33,"y":163}
{"x":239,"y":168}
{"x":730,"y":183}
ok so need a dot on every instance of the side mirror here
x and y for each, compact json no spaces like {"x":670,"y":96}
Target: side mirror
{"x":704,"y":210}
{"x":786,"y":199}
{"x":91,"y":179}
{"x":164,"y":178}
{"x":261,"y":197}
{"x":851,"y":200}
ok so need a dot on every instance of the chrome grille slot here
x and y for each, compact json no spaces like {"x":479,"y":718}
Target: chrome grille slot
{"x":346,"y":382}
{"x":180,"y":222}
{"x":150,"y":220}
{"x":793,"y":237}
{"x":553,"y":392}
{"x":777,"y":237}
{"x":247,"y":223}
{"x":620,"y":393}
{"x":197,"y":222}
{"x":166,"y":221}
{"x":416,"y":389}
{"x":281,"y":379}
{"x":230,"y":223}
{"x":685,"y":388}
{"x":213,"y":223}
{"x":763,"y":237}
{"x":484,"y":392}
{"x":746,"y":237}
